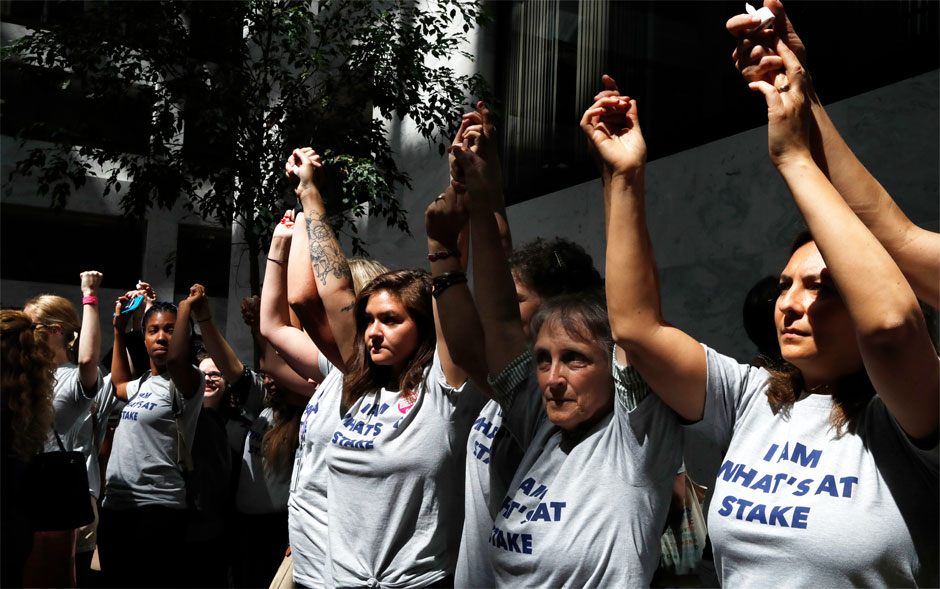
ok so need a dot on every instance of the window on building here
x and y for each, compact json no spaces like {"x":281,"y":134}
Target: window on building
{"x":46,"y":246}
{"x":44,"y":105}
{"x":40,"y":13}
{"x":203,"y":256}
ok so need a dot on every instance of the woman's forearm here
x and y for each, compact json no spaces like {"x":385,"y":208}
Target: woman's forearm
{"x":331,"y":270}
{"x":89,"y":347}
{"x":915,"y":250}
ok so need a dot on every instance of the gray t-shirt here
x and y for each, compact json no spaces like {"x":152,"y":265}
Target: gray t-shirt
{"x":394,"y":493}
{"x":143,"y":468}
{"x":590,"y":511}
{"x":473,"y":565}
{"x":260,"y":489}
{"x":307,"y":505}
{"x":796,"y":503}
{"x":74,"y":407}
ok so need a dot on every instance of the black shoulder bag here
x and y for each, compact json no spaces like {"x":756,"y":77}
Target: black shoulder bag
{"x":55,"y":490}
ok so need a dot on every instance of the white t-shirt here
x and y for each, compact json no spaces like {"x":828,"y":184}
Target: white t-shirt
{"x":260,"y":489}
{"x":795,"y":503}
{"x":394,"y":492}
{"x":143,"y":468}
{"x":590,"y":511}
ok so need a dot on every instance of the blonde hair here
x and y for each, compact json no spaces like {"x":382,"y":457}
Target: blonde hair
{"x":27,"y":372}
{"x":56,"y":310}
{"x":363,"y":270}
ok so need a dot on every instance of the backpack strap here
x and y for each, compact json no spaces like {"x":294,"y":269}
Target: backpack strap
{"x":183,"y":455}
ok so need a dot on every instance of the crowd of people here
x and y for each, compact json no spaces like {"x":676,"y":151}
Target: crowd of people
{"x":404,"y":429}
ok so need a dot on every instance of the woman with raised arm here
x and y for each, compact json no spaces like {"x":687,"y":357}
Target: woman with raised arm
{"x":79,"y":388}
{"x":144,"y":509}
{"x":574,"y":409}
{"x":915,"y":250}
{"x":288,"y":261}
{"x":385,"y":437}
{"x":830,"y":476}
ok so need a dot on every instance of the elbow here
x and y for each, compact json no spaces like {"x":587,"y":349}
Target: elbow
{"x":266,"y":327}
{"x":87,"y":362}
{"x":176,"y":362}
{"x":890,"y":330}
{"x":624,"y":334}
{"x":634,"y":333}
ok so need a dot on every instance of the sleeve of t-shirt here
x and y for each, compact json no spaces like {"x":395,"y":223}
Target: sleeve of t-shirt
{"x":730,"y":385}
{"x":436,"y":381}
{"x":651,"y":448}
{"x":324,"y":364}
{"x":191,"y":408}
{"x":132,"y":388}
{"x":250,"y":390}
{"x":630,"y":387}
{"x":106,"y":400}
{"x":70,"y":402}
{"x":516,"y":389}
{"x":928,"y":457}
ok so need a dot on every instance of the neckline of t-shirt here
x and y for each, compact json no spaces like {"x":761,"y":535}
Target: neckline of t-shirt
{"x":806,"y":399}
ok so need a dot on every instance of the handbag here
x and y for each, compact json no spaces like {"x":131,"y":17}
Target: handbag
{"x":284,"y":577}
{"x":55,"y":490}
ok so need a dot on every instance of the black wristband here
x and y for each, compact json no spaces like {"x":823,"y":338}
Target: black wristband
{"x":446,"y":280}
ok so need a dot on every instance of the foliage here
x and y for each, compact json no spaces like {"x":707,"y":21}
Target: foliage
{"x":228,"y":88}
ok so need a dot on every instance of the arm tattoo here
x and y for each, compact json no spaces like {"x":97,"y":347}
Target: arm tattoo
{"x":350,"y":306}
{"x":325,"y":254}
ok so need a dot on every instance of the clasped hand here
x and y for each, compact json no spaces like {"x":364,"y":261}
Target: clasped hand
{"x":788,"y":111}
{"x":612,"y":127}
{"x":445,"y":217}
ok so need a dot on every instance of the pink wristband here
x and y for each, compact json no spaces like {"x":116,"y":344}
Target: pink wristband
{"x":90,"y":301}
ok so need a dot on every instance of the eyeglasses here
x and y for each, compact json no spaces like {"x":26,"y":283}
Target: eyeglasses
{"x":213,"y":375}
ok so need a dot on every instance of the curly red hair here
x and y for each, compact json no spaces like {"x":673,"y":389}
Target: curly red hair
{"x":27,"y":373}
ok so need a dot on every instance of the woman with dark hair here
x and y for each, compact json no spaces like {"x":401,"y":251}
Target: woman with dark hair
{"x":376,"y":492}
{"x":542,"y":269}
{"x":144,"y":509}
{"x":830,"y":477}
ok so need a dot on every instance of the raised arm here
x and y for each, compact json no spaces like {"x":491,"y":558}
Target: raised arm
{"x":494,"y":291}
{"x":89,"y":341}
{"x":184,"y":375}
{"x":891,"y":331}
{"x":459,"y":333}
{"x":291,"y":344}
{"x":120,"y":365}
{"x":303,"y":297}
{"x":915,"y":250}
{"x":334,"y":281}
{"x":251,"y":308}
{"x":670,"y":361}
{"x":478,"y":132}
{"x":285,"y":377}
{"x":221,"y":353}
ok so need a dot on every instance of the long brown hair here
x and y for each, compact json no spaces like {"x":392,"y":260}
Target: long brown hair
{"x":280,"y":442}
{"x":413,"y":289}
{"x":55,"y":310}
{"x":850,"y":393}
{"x":27,"y":372}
